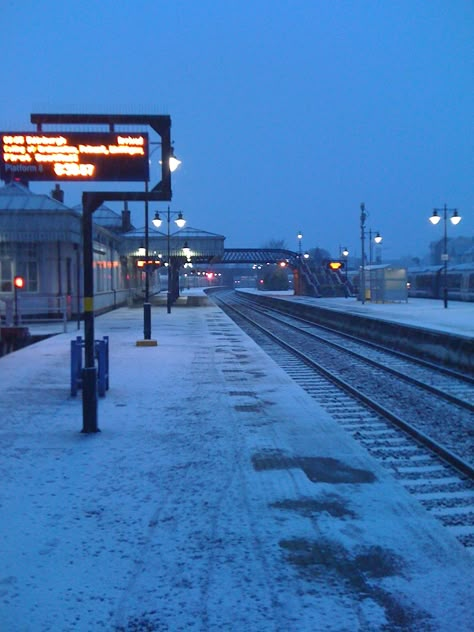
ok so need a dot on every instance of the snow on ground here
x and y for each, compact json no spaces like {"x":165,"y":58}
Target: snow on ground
{"x":457,"y":318}
{"x":217,"y":496}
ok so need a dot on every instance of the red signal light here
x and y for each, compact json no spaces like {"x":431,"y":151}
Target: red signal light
{"x":19,"y":282}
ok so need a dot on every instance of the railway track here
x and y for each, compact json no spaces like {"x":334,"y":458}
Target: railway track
{"x":414,"y":418}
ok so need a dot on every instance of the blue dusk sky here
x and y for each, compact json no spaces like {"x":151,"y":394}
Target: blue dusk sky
{"x":286,"y":114}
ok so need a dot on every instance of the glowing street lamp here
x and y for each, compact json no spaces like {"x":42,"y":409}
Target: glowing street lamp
{"x":363,"y":217}
{"x":173,"y":161}
{"x":186,"y":250}
{"x":454,"y":219}
{"x":173,"y":165}
{"x":180,"y":222}
{"x":377,"y":239}
{"x":345,"y":254}
{"x":300,"y":237}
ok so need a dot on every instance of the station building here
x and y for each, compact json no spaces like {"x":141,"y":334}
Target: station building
{"x":41,"y":241}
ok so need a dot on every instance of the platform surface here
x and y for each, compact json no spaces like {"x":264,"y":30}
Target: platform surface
{"x":218,"y":496}
{"x":457,"y":318}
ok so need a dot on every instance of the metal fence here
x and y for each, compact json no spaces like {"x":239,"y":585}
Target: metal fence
{"x":22,"y":309}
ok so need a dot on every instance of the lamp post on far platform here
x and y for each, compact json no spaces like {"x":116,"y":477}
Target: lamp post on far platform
{"x":345,"y":254}
{"x":363,"y":217}
{"x":300,"y":237}
{"x":377,"y":239}
{"x":455,"y":219}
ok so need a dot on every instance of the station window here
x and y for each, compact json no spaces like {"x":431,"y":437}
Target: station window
{"x":6,"y":275}
{"x":29,"y":271}
{"x":18,"y":260}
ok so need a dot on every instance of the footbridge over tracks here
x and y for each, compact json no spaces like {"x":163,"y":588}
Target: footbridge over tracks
{"x":308,"y":279}
{"x":304,"y":280}
{"x":260,"y":256}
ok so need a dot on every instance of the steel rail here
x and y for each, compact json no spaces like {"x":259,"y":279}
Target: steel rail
{"x":423,"y":439}
{"x":407,"y":378}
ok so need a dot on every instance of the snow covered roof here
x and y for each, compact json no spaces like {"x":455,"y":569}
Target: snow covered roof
{"x":16,"y":197}
{"x":104,"y":216}
{"x":186,"y":232}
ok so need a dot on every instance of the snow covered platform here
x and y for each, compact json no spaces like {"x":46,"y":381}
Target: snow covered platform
{"x":218,"y":496}
{"x":457,"y":318}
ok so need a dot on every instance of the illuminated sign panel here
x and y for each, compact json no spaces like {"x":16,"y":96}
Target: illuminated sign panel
{"x":100,"y":156}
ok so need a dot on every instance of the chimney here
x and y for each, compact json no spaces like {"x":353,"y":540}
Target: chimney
{"x":58,"y":194}
{"x":126,"y":222}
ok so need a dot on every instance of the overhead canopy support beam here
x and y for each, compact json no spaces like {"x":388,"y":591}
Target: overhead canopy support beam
{"x":91,"y":200}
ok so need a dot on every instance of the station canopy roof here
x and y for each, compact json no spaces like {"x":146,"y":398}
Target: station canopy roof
{"x":187,"y":233}
{"x":204,"y":245}
{"x":105,"y":216}
{"x":16,"y":197}
{"x":28,"y":217}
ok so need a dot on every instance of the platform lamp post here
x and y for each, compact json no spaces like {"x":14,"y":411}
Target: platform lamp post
{"x":180,"y":222}
{"x":300,"y":237}
{"x":377,"y":239}
{"x":363,"y":217}
{"x":301,"y":256}
{"x":173,"y":165}
{"x":186,"y":250}
{"x":345,"y":254}
{"x":146,"y":302}
{"x":455,"y":219}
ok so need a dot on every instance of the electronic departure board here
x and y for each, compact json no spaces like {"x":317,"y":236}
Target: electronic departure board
{"x":89,"y":156}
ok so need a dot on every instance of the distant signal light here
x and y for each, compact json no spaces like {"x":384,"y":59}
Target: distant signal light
{"x":336,"y":265}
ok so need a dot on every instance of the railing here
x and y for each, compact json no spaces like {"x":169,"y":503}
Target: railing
{"x":310,"y":279}
{"x":34,"y":308}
